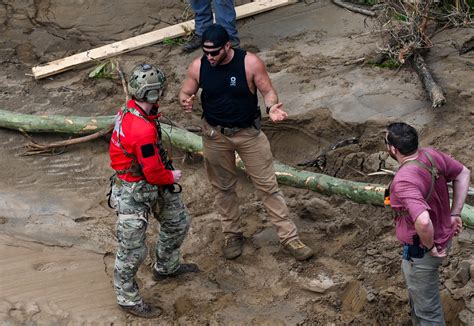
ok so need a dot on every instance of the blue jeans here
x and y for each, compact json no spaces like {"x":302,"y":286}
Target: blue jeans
{"x":225,"y":16}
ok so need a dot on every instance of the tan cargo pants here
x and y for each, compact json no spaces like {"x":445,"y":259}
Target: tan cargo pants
{"x":254,"y":149}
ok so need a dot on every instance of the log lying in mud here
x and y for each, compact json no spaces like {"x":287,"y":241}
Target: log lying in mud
{"x":359,"y":192}
{"x":434,"y":90}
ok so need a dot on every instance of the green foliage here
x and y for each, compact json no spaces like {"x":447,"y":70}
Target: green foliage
{"x":174,"y":41}
{"x":400,"y":17}
{"x":104,"y":70}
{"x":471,"y":5}
{"x":389,"y":63}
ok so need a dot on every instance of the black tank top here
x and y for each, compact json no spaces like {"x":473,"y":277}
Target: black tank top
{"x":226,"y":98}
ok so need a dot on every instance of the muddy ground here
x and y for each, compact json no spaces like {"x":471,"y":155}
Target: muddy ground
{"x":57,"y":239}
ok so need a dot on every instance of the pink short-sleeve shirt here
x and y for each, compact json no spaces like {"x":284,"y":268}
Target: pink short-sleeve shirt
{"x":409,"y":190}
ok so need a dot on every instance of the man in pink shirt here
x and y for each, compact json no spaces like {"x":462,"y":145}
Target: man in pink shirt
{"x":425,"y":220}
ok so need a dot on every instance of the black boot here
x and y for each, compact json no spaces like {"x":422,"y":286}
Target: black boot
{"x":193,"y":44}
{"x":182,"y":269}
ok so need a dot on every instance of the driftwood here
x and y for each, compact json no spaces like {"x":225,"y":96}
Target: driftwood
{"x":353,"y":8}
{"x":320,"y":160}
{"x":466,"y":46}
{"x":358,"y":192}
{"x":434,"y":90}
{"x":34,"y":147}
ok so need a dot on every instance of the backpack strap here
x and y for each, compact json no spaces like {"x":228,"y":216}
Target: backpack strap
{"x":134,"y":168}
{"x":433,"y":170}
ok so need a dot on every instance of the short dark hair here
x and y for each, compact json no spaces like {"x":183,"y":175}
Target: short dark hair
{"x":215,"y":34}
{"x":403,"y":137}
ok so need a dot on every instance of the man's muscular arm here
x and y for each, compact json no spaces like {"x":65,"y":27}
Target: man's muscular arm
{"x":264,"y":85}
{"x":190,"y":86}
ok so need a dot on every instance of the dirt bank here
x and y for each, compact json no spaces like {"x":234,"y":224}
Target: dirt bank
{"x":57,"y":238}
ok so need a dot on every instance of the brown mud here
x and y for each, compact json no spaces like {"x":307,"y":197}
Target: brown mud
{"x":57,"y":238}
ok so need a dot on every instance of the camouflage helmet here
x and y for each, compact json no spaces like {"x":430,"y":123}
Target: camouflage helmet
{"x":146,"y":83}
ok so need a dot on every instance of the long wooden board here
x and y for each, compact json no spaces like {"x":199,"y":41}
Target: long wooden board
{"x":133,"y":43}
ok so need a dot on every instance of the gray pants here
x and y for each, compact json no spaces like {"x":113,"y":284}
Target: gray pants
{"x":132,"y":223}
{"x":422,"y":280}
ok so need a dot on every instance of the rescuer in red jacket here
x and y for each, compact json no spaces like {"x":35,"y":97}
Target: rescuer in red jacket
{"x":145,"y":183}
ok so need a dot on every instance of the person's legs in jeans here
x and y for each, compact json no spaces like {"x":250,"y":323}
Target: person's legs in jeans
{"x":203,"y":19}
{"x":225,"y":16}
{"x":202,"y":15}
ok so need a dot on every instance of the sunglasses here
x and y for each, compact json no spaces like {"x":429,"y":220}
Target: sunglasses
{"x":212,"y":53}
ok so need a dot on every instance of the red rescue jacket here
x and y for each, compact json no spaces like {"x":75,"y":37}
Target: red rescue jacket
{"x":138,"y":141}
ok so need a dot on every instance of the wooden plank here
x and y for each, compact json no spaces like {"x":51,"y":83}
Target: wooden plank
{"x":144,"y":40}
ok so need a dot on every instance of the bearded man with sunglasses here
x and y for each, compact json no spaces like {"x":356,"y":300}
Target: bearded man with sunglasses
{"x":229,"y":79}
{"x":425,"y":220}
{"x":145,"y":183}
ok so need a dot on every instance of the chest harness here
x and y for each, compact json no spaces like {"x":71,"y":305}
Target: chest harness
{"x":433,"y":170}
{"x":135,"y":169}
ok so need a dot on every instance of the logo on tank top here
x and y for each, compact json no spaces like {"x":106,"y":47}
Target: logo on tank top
{"x":233,"y":81}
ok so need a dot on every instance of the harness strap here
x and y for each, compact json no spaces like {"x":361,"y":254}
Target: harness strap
{"x":134,"y":167}
{"x":433,"y":170}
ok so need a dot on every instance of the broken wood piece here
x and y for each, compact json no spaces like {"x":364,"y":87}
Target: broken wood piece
{"x":354,"y":62}
{"x":434,"y":90}
{"x":144,"y":40}
{"x":353,"y":8}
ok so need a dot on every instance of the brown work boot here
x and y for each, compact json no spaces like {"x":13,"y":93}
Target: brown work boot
{"x":233,"y":246}
{"x":143,"y":310}
{"x":182,"y":269}
{"x":298,"y":249}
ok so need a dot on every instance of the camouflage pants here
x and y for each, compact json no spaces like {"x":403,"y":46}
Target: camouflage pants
{"x":132,"y":223}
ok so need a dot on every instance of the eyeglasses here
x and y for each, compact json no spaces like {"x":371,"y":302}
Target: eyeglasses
{"x":212,"y":53}
{"x":386,"y":141}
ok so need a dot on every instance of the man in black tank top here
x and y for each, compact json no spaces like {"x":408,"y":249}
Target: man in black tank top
{"x":229,"y":79}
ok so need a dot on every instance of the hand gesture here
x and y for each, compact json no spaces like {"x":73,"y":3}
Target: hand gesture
{"x":187,"y":104}
{"x":177,"y":174}
{"x":276,"y":113}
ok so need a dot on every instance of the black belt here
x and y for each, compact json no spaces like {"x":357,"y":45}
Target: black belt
{"x":228,"y":131}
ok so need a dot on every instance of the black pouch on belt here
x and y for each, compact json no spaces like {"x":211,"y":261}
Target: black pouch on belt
{"x":415,"y":250}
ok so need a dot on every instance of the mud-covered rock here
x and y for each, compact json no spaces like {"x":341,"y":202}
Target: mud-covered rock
{"x":463,"y":273}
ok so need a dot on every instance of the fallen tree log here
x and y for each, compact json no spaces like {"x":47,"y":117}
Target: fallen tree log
{"x":359,"y":192}
{"x":434,"y":90}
